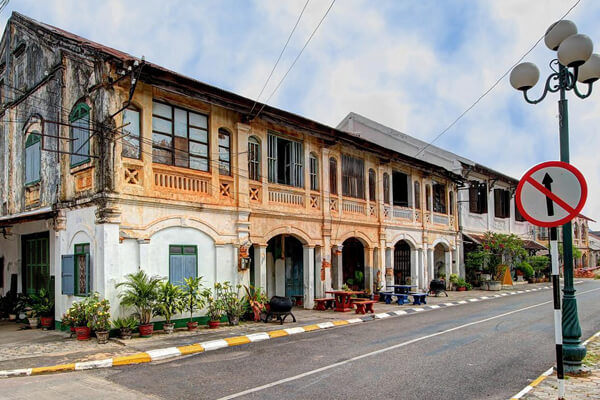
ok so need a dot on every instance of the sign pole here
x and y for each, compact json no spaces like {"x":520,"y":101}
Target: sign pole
{"x":557,"y":313}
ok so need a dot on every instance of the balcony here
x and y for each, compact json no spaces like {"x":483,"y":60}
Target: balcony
{"x":403,"y":213}
{"x":289,"y":197}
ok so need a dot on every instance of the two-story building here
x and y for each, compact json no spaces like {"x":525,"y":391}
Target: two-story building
{"x":113,"y":164}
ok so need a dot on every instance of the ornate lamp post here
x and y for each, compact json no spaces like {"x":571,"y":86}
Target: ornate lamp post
{"x":575,"y":62}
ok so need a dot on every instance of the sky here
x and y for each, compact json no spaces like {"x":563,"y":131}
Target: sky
{"x":412,"y":65}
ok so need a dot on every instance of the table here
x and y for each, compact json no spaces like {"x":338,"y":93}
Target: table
{"x":402,"y":289}
{"x":342,"y":299}
{"x":298,"y":300}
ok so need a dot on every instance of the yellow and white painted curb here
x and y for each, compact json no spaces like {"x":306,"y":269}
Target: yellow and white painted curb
{"x":546,"y":374}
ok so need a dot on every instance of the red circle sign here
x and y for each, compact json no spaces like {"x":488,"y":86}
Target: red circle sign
{"x":551,"y":194}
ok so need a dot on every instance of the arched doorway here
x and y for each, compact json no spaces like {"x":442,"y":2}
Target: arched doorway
{"x":288,"y":269}
{"x":402,"y":263}
{"x":353,"y":264}
{"x":440,"y":260}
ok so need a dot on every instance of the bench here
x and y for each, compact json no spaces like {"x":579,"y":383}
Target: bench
{"x":419,"y":298}
{"x":387,"y":297}
{"x":324,"y":303}
{"x":364,"y":306}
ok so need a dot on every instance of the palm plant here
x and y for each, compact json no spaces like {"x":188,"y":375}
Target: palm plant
{"x":169,"y":301}
{"x":193,"y":295}
{"x":141,"y":292}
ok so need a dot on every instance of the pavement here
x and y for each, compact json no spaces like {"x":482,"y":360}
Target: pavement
{"x":27,"y":352}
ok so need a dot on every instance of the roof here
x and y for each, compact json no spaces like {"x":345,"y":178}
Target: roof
{"x":155,"y":74}
{"x":584,"y":217}
{"x":527,"y":243}
{"x":32,"y":215}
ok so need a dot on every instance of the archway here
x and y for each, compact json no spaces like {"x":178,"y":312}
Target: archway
{"x":439,"y":261}
{"x":288,"y":265}
{"x":353,"y":264}
{"x":584,"y":261}
{"x":402,"y":264}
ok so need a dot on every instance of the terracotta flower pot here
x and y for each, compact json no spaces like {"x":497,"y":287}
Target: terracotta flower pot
{"x":461,"y":288}
{"x":33,"y":322}
{"x":102,"y":337}
{"x":213,"y":324}
{"x":146,"y":330}
{"x":47,"y":322}
{"x":83,"y":332}
{"x":168,"y":328}
{"x":192,"y":326}
{"x":125,"y":333}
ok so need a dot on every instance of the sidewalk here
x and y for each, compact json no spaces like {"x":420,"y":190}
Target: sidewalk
{"x":576,"y":388}
{"x":23,"y":349}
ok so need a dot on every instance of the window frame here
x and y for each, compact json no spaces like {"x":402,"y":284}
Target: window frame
{"x":183,"y":246}
{"x":518,"y":216}
{"x":399,"y":177}
{"x":504,"y":208}
{"x":353,"y":177}
{"x":438,"y":198}
{"x":294,"y":170}
{"x":254,"y":159}
{"x":138,"y":137}
{"x":313,"y":172}
{"x":80,"y":111}
{"x":33,"y":138}
{"x":76,"y":255}
{"x":479,"y":193}
{"x":372,"y":178}
{"x":333,"y":187}
{"x":225,"y":132}
{"x":386,"y":188}
{"x":417,"y":195}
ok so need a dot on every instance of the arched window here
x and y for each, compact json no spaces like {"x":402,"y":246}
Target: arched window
{"x":224,"y":152}
{"x":451,"y":203}
{"x":576,"y":231}
{"x":80,"y":134}
{"x":386,"y":188}
{"x":372,"y":185}
{"x":253,"y":158}
{"x":131,"y":140}
{"x":428,"y":197}
{"x":314,"y":171}
{"x":33,"y":156}
{"x":417,"y":195}
{"x":333,"y":176}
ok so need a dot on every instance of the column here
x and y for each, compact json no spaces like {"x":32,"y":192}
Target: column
{"x":369,"y":269}
{"x":422,"y":276}
{"x":240,"y":163}
{"x":456,"y":261}
{"x":326,"y":263}
{"x":415,"y":277}
{"x":339,"y":267}
{"x":448,"y":265}
{"x":319,"y":273}
{"x":430,"y":266}
{"x":260,"y":266}
{"x":309,"y":276}
{"x":389,"y":267}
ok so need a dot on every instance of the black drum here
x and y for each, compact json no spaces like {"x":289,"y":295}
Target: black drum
{"x":280,"y":304}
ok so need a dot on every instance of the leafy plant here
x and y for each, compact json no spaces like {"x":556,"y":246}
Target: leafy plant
{"x":141,"y":292}
{"x":233,"y":305}
{"x":125,"y":323}
{"x":454,"y":278}
{"x":41,"y":303}
{"x":539,"y":264}
{"x":460,"y":282}
{"x":256,"y":300}
{"x":99,"y":312}
{"x":83,"y":313}
{"x":526,"y":269}
{"x":345,"y":288}
{"x":170,"y":301}
{"x":193,"y":295}
{"x":216,"y":306}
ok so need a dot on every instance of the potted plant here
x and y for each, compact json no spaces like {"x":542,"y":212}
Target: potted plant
{"x":42,"y":306}
{"x":193,"y":299}
{"x":100,"y":319}
{"x":461,"y":284}
{"x":257,"y":300}
{"x":79,"y":316}
{"x":140,"y":293}
{"x":453,"y":280}
{"x":233,"y":306}
{"x":169,"y":302}
{"x":215,"y":306}
{"x":125,"y":326}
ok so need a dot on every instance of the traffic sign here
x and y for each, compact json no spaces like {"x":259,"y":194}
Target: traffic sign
{"x":551,"y":194}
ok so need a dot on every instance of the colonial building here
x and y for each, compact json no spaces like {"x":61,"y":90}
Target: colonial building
{"x":485,"y":197}
{"x":112,"y":164}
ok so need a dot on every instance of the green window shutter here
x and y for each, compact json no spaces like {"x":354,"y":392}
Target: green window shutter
{"x":88,"y":274}
{"x":189,"y":266}
{"x":68,"y":274}
{"x":176,"y":269}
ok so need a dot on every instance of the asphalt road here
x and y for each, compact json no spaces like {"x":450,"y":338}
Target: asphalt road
{"x":482,"y":350}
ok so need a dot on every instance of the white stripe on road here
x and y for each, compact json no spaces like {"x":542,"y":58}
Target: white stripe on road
{"x":373,"y":353}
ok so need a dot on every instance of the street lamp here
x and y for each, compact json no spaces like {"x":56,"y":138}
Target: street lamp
{"x":574,"y":62}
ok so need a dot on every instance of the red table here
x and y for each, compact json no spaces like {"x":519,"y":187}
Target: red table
{"x":342,"y":299}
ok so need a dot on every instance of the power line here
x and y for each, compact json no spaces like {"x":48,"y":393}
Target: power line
{"x":296,"y":59}
{"x":279,"y":58}
{"x":491,"y":87}
{"x":3,"y":5}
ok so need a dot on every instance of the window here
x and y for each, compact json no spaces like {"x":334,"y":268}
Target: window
{"x":131,"y":138}
{"x":179,"y":137}
{"x":333,"y":176}
{"x":353,"y":177}
{"x":501,"y":203}
{"x":253,"y":158}
{"x":33,"y":156}
{"x":183,"y":262}
{"x":82,"y":269}
{"x":400,"y":185}
{"x":478,"y":197}
{"x":417,"y":195}
{"x":451,"y":203}
{"x":386,"y":188}
{"x":518,"y":216}
{"x":439,"y":198}
{"x":314,"y":172}
{"x":372,"y":185}
{"x":285,"y":161}
{"x":575,"y":231}
{"x":224,"y":152}
{"x":428,"y":197}
{"x":80,"y":134}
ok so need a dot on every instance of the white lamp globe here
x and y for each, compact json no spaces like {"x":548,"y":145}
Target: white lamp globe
{"x":524,"y":76}
{"x":559,"y":31}
{"x":590,"y":71}
{"x":575,"y":50}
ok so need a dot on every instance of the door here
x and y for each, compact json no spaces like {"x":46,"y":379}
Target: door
{"x":36,"y":262}
{"x":401,"y":263}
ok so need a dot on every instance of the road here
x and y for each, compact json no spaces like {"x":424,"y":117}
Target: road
{"x":482,"y":350}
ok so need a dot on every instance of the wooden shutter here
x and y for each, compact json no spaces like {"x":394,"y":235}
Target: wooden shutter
{"x":176,"y":269}
{"x":473,"y":199}
{"x":498,"y":203}
{"x":68,"y":274}
{"x":189,"y":266}
{"x":272,"y":158}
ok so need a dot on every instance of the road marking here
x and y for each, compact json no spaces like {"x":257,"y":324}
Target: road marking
{"x":373,"y":353}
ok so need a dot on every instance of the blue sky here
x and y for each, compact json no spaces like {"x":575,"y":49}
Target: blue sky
{"x":412,"y":65}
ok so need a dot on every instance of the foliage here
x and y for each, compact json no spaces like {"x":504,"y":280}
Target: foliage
{"x":460,"y":282}
{"x":345,"y":288}
{"x":526,"y":269}
{"x":99,"y":311}
{"x":468,"y":286}
{"x":233,"y":304}
{"x":170,"y":300}
{"x":41,"y":303}
{"x":13,"y":303}
{"x":85,"y":312}
{"x":454,"y":278}
{"x":441,"y":275}
{"x":495,"y":249}
{"x":193,"y":295}
{"x":576,"y":251}
{"x":539,"y":263}
{"x":475,"y":260}
{"x":256,"y":300}
{"x":125,"y":323}
{"x":141,"y":291}
{"x":216,"y":305}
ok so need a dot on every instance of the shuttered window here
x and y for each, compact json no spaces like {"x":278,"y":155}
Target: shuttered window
{"x":82,"y":270}
{"x":333,"y":176}
{"x":353,"y":177}
{"x":33,"y":156}
{"x":224,"y":152}
{"x":518,"y":216}
{"x":285,"y":159}
{"x":400,"y":184}
{"x":478,"y":198}
{"x":417,"y":195}
{"x":253,"y":158}
{"x":80,"y":134}
{"x":183,"y":263}
{"x":501,"y":203}
{"x":314,"y":172}
{"x":439,"y":198}
{"x":386,"y":188}
{"x":68,"y":274}
{"x":372,"y":185}
{"x":131,"y":138}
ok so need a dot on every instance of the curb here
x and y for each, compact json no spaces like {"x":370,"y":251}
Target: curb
{"x":173,"y":352}
{"x":546,"y":374}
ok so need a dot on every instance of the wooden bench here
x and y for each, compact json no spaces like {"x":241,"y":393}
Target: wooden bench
{"x":419,"y":298}
{"x":364,"y":306}
{"x":324,"y":303}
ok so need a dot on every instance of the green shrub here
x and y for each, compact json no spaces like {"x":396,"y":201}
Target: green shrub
{"x":526,"y":269}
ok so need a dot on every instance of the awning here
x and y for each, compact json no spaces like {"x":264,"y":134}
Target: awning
{"x":533,"y":245}
{"x":33,"y":215}
{"x":472,"y":238}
